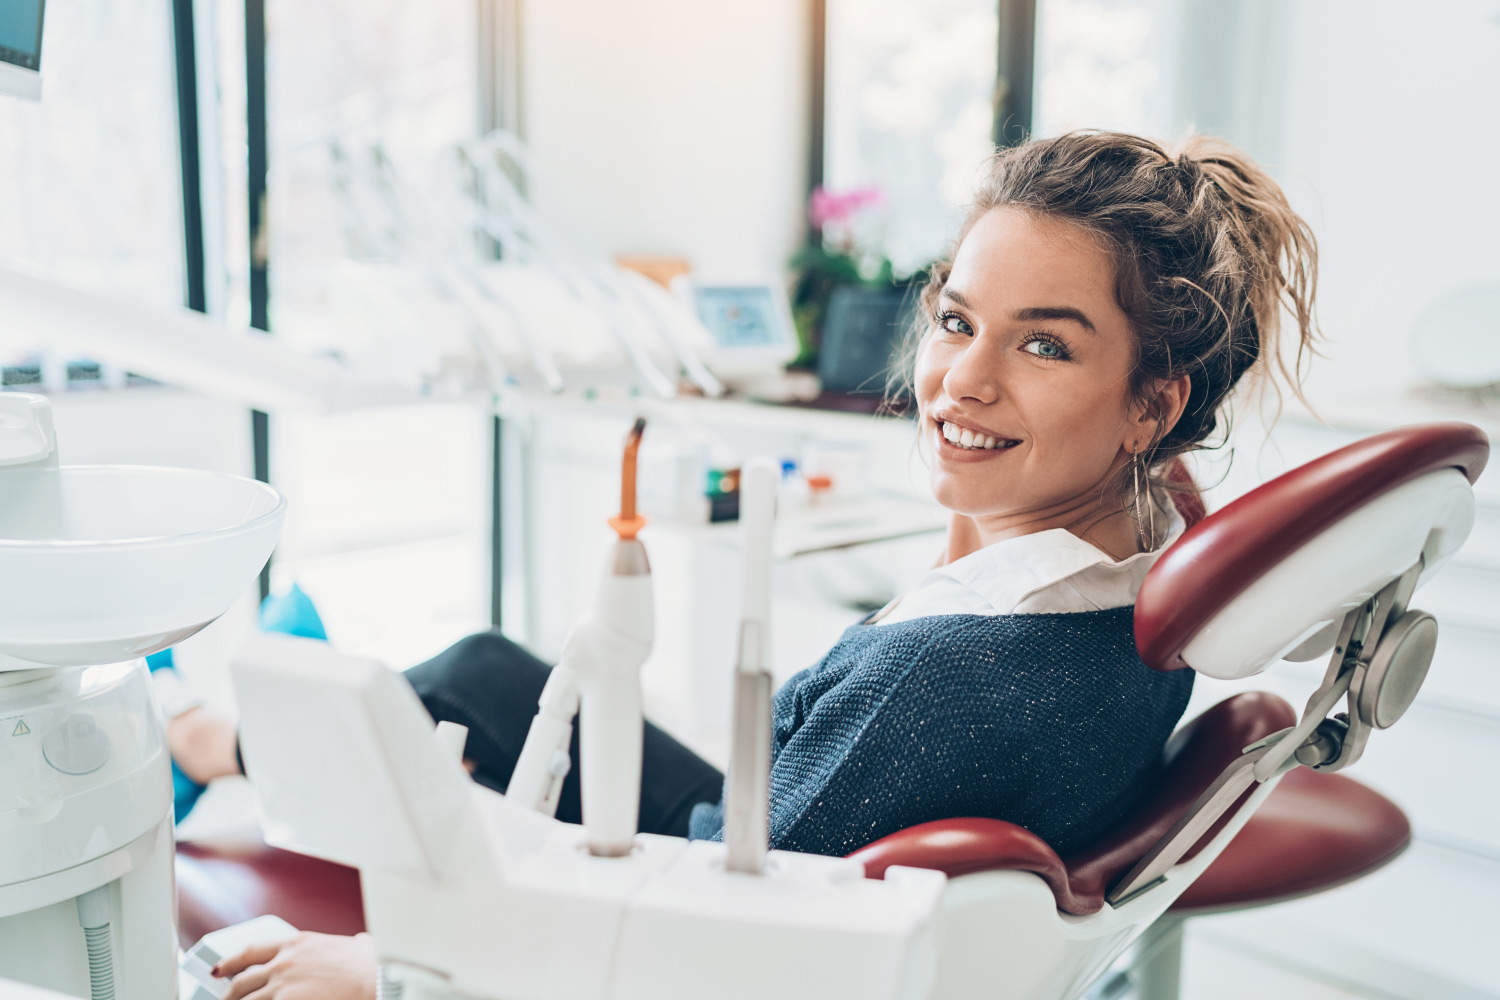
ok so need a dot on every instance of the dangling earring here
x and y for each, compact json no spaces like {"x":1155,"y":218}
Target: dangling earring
{"x":1145,"y":521}
{"x":1135,"y":477}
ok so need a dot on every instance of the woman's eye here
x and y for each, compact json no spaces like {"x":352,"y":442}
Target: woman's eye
{"x":954,"y":323}
{"x":1043,"y":347}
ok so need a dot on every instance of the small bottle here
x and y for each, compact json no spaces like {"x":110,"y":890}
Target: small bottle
{"x":820,"y":489}
{"x":793,"y":491}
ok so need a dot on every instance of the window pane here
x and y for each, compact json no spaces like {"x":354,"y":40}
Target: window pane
{"x":909,"y":110}
{"x":89,"y":176}
{"x":387,"y":526}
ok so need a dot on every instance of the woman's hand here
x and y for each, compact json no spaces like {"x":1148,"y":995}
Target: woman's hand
{"x":306,"y":967}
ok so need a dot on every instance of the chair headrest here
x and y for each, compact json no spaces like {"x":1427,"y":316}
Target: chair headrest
{"x":1277,"y":569}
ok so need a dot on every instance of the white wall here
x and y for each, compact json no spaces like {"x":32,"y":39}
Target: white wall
{"x":1377,"y":116}
{"x":674,"y":127}
{"x":1389,"y":147}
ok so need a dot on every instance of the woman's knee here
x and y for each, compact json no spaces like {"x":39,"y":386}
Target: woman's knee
{"x":482,"y":667}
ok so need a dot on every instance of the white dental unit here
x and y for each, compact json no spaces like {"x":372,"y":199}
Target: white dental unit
{"x":100,"y":566}
{"x":470,"y":893}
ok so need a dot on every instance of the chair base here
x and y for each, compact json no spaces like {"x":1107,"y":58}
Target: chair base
{"x":1151,"y":969}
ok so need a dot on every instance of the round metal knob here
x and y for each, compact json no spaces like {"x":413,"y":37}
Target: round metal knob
{"x":1397,"y":669}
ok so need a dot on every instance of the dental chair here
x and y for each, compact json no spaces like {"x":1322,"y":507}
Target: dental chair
{"x":1245,"y":808}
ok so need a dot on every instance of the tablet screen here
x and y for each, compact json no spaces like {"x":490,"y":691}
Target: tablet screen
{"x":739,"y":316}
{"x":21,"y":33}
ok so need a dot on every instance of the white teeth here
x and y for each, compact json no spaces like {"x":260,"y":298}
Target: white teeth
{"x":968,"y":439}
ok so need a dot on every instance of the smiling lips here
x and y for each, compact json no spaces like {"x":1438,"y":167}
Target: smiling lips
{"x":968,"y":440}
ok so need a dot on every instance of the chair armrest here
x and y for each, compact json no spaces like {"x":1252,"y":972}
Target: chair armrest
{"x":969,"y":845}
{"x":227,"y":881}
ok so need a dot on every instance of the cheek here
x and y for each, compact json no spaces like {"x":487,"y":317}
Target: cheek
{"x":1082,"y":435}
{"x":927,"y":377}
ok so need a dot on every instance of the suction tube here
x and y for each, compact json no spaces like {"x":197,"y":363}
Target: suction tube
{"x":93,"y":917}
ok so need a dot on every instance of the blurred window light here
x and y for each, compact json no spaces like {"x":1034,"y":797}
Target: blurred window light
{"x":909,"y":110}
{"x":1100,"y":64}
{"x":90,"y":180}
{"x":343,"y":78}
{"x":388,"y":531}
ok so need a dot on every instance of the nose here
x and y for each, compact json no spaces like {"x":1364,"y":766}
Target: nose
{"x":976,"y":373}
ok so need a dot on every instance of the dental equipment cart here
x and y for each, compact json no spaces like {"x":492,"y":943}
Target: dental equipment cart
{"x":100,"y":566}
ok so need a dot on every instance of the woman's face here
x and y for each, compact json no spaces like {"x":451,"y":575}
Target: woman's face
{"x":1023,"y":378}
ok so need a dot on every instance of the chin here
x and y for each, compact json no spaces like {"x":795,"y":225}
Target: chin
{"x":970,"y":502}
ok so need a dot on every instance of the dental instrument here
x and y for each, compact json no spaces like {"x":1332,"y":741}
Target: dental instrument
{"x":599,"y":674}
{"x":510,"y":216}
{"x":100,"y":566}
{"x":747,"y":804}
{"x":454,"y":273}
{"x":607,"y":652}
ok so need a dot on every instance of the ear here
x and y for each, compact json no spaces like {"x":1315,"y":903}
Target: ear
{"x":1158,"y":414}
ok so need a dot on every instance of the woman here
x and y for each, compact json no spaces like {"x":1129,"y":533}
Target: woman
{"x":1103,"y":299}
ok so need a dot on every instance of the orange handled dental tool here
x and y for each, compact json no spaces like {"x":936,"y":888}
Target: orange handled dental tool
{"x":628,"y":523}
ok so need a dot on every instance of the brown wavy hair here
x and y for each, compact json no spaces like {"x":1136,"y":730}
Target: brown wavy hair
{"x":1208,"y":254}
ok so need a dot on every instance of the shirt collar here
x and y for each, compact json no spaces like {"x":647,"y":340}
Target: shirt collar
{"x":1007,"y":572}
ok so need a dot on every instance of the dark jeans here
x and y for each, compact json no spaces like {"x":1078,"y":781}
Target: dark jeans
{"x":491,"y":685}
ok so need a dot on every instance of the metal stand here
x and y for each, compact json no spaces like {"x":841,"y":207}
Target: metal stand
{"x":1156,"y":972}
{"x":1151,"y":969}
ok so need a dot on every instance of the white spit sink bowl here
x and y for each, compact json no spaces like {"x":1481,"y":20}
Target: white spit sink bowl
{"x":100,"y":564}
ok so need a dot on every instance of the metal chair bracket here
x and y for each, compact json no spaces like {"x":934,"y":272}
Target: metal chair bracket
{"x":1318,"y":740}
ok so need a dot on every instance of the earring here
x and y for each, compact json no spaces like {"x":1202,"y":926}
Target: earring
{"x":1145,"y":521}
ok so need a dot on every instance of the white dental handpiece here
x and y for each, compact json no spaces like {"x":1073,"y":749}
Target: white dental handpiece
{"x":747,"y":803}
{"x":599,"y":670}
{"x":607,"y":653}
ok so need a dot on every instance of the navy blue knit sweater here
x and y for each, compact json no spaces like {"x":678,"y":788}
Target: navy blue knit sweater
{"x":1047,"y":721}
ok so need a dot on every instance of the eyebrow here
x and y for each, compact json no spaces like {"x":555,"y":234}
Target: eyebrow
{"x":1034,"y":314}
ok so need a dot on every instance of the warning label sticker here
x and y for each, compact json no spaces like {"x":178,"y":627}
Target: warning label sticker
{"x":21,"y":728}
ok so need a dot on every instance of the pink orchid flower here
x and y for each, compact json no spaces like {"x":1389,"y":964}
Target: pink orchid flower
{"x":837,"y":208}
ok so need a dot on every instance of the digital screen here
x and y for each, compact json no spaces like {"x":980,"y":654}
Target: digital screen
{"x":743,"y":316}
{"x":21,"y":33}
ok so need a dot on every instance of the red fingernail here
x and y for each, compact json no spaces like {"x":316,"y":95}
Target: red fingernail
{"x":214,"y":971}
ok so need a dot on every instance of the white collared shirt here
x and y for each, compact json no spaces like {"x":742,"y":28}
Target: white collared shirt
{"x":1048,"y":572}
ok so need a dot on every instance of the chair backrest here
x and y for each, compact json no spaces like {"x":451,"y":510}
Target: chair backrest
{"x":1276,"y":570}
{"x":1194,"y":757}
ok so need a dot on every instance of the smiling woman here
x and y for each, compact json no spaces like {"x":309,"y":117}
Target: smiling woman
{"x":1103,"y":299}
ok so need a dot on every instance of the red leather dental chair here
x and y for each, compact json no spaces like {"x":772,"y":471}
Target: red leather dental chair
{"x":1246,"y":808}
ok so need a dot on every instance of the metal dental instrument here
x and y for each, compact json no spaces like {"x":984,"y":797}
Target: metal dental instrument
{"x":747,"y":804}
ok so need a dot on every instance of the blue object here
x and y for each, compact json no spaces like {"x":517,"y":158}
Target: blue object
{"x":292,"y":613}
{"x":1048,"y":721}
{"x":185,"y":794}
{"x":185,"y":791}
